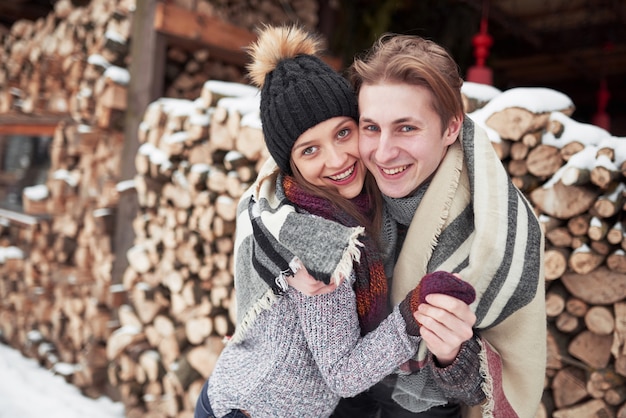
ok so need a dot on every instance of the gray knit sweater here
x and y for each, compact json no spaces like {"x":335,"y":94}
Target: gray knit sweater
{"x":305,"y":353}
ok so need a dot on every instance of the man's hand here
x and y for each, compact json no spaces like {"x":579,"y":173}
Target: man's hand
{"x":446,"y":323}
{"x":306,"y":284}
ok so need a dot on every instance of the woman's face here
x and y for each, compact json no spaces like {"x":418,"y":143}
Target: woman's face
{"x":327,"y":155}
{"x":401,"y":140}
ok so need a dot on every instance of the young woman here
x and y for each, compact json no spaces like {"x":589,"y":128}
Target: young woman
{"x":294,"y":355}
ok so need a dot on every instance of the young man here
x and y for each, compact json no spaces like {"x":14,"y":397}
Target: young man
{"x":455,"y":210}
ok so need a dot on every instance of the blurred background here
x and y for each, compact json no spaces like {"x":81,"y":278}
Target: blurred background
{"x":573,"y":46}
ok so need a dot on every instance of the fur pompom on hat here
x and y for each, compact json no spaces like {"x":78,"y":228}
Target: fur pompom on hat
{"x":298,"y":90}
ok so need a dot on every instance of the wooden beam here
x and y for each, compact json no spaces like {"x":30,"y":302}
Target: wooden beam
{"x":223,"y":40}
{"x":29,"y":130}
{"x":20,"y":218}
{"x":33,"y":125}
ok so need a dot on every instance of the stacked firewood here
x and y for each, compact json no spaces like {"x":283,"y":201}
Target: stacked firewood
{"x":250,"y":14}
{"x":187,"y":71}
{"x":156,"y":336}
{"x":45,"y":65}
{"x":58,"y":306}
{"x":55,"y":294}
{"x":195,"y":160}
{"x":75,"y":61}
{"x":573,"y":174}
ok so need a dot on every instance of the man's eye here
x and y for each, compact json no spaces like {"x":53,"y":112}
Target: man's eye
{"x":407,"y":128}
{"x":372,"y":128}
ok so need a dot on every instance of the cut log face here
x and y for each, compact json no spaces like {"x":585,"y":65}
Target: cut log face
{"x":569,"y":387}
{"x":544,"y":160}
{"x":599,"y":287}
{"x":593,"y":408}
{"x":555,"y":261}
{"x":157,"y":334}
{"x":562,"y":201}
{"x":514,"y":122}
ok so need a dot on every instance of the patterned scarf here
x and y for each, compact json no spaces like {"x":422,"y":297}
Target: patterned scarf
{"x":370,"y":283}
{"x":472,"y":220}
{"x":274,"y":237}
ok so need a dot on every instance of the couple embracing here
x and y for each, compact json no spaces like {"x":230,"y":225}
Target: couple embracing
{"x":386,"y":266}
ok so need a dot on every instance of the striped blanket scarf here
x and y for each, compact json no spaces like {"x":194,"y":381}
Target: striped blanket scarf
{"x":273,"y":240}
{"x":472,"y":220}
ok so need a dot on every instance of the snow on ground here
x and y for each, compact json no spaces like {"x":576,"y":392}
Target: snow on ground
{"x":29,"y":391}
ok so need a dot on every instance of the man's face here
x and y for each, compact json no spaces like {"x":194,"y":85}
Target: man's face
{"x":401,"y":140}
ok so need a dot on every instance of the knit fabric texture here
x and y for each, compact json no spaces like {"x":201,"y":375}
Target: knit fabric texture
{"x":435,"y":282}
{"x":297,"y":95}
{"x":293,"y":355}
{"x":303,"y":354}
{"x":371,"y":282}
{"x":446,"y":283}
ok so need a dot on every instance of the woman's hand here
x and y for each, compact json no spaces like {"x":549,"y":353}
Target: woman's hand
{"x":446,"y":323}
{"x":306,"y":284}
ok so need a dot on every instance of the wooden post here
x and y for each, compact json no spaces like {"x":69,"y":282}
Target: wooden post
{"x":146,"y":85}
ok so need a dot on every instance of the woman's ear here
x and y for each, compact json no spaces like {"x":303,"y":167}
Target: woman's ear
{"x":452,"y":131}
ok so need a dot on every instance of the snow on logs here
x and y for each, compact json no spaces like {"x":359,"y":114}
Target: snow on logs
{"x":195,"y":160}
{"x":573,"y":175}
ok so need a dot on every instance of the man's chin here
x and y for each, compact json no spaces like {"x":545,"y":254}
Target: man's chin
{"x":392,"y":190}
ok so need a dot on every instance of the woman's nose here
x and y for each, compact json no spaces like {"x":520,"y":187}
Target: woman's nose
{"x":336,"y":157}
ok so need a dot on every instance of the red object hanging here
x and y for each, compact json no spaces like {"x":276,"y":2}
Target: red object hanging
{"x":482,"y":41}
{"x":602,"y":118}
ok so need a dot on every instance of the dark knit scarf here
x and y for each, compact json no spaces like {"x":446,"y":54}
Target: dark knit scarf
{"x":370,"y":284}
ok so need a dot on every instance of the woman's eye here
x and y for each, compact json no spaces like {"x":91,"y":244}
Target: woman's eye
{"x":343,"y":133}
{"x":308,"y":150}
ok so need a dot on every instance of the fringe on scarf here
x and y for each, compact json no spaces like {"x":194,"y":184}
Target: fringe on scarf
{"x":253,"y":305}
{"x":350,"y":255}
{"x":487,"y":385}
{"x":263,"y":303}
{"x":457,"y":168}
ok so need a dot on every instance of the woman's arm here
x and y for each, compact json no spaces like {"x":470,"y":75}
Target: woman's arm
{"x":350,"y":363}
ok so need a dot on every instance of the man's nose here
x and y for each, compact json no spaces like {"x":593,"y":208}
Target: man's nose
{"x":385,"y":150}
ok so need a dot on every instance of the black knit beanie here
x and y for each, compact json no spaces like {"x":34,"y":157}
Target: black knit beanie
{"x":299,"y":93}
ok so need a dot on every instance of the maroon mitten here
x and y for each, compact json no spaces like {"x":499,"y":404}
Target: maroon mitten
{"x":436,"y":282}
